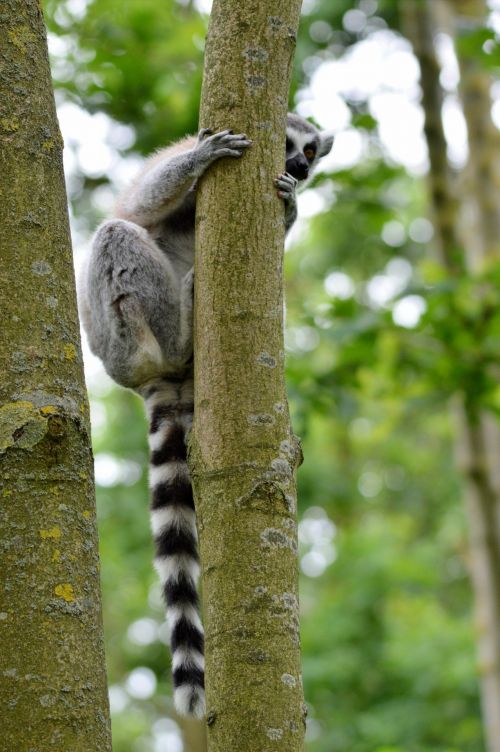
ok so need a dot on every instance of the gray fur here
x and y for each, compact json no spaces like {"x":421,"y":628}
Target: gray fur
{"x":136,"y":290}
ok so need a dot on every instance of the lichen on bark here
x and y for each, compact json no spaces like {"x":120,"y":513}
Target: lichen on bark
{"x":52,"y":670}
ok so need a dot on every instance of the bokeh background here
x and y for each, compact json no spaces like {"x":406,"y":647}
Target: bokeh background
{"x":381,"y":342}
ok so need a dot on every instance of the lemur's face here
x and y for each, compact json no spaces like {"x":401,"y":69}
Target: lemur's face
{"x":304,"y":146}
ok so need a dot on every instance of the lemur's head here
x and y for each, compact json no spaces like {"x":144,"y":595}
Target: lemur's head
{"x":305,"y":145}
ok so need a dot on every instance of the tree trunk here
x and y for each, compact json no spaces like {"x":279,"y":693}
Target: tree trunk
{"x":475,"y":429}
{"x":482,"y":238}
{"x":243,"y":453}
{"x":419,"y":28}
{"x":53,"y":673}
{"x":484,"y":138}
{"x":194,"y":734}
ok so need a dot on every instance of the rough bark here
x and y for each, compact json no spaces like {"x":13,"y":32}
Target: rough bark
{"x":53,"y":681}
{"x":243,"y":452}
{"x":476,"y":431}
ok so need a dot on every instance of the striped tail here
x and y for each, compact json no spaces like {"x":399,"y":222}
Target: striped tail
{"x":173,"y":524}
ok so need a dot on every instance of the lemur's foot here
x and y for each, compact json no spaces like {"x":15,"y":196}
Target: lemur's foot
{"x":286,"y":185}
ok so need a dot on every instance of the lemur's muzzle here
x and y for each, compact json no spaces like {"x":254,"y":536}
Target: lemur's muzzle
{"x":298,"y":167}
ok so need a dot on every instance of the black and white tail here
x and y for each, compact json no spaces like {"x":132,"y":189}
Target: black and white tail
{"x":169,"y":406}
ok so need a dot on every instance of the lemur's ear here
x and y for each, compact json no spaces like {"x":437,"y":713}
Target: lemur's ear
{"x":326,"y":143}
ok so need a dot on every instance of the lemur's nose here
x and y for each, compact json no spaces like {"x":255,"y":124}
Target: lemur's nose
{"x":298,"y":167}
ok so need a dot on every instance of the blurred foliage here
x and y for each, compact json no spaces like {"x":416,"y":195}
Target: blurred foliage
{"x":387,"y":632}
{"x":140,"y":62}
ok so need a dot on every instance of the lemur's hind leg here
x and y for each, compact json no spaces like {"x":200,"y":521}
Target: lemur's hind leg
{"x":138,"y":325}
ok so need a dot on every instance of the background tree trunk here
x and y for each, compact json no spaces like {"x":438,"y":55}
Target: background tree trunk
{"x":476,"y":430}
{"x":52,"y":660}
{"x":244,"y":454}
{"x":482,"y":440}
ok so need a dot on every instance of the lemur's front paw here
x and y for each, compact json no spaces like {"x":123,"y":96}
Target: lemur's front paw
{"x":222,"y":144}
{"x":286,"y":185}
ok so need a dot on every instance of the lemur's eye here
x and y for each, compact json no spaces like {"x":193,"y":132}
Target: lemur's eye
{"x":289,"y":144}
{"x":309,"y":153}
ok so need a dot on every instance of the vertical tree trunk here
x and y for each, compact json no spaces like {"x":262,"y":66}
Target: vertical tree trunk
{"x":483,"y":181}
{"x":194,"y":734}
{"x":53,"y":685}
{"x":419,"y":28}
{"x":484,"y":138}
{"x":244,"y":454}
{"x":482,"y":498}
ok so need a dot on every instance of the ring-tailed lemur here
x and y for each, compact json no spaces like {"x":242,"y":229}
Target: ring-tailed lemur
{"x":136,"y":301}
